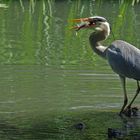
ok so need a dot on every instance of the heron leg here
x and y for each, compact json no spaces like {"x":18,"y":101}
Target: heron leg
{"x":123,"y":81}
{"x":137,"y":92}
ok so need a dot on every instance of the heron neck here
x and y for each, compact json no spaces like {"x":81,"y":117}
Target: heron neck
{"x":95,"y":40}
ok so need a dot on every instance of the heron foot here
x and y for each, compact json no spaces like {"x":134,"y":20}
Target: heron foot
{"x":131,"y":111}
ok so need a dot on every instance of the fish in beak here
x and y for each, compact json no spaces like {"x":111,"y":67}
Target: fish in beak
{"x":87,"y":22}
{"x":83,"y":23}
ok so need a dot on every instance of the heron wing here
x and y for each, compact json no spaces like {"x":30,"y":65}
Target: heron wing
{"x":124,"y":59}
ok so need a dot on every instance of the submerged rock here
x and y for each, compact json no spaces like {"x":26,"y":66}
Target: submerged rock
{"x":79,"y":126}
{"x":115,"y":133}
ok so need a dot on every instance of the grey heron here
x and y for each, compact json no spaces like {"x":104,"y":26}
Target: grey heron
{"x":123,"y":57}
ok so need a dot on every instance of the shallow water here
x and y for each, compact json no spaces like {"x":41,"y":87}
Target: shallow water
{"x":51,"y":80}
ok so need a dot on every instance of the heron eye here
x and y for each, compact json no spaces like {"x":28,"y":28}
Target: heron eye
{"x":92,"y":22}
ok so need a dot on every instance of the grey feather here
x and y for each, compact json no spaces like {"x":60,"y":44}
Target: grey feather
{"x":124,"y":59}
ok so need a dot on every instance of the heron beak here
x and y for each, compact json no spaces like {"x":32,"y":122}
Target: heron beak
{"x":80,"y":20}
{"x":84,"y":23}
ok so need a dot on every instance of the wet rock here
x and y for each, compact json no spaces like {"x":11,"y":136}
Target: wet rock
{"x":115,"y":133}
{"x":79,"y":126}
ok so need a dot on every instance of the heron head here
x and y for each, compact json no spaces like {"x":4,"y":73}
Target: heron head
{"x":97,"y":22}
